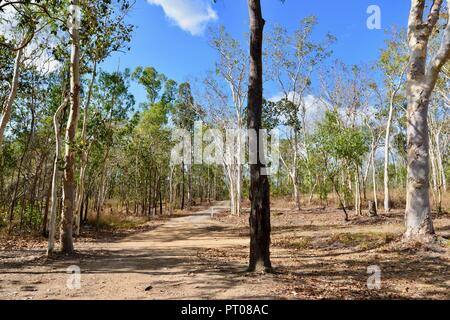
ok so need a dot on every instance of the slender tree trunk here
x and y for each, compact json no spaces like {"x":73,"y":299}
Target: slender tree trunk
{"x":69,"y":155}
{"x":55,"y":177}
{"x":341,"y":201}
{"x":357,"y":193}
{"x":189,"y":191}
{"x":238,"y":189}
{"x":232,"y":199}
{"x":439,"y":160}
{"x":183,"y":185}
{"x":160,"y":199}
{"x":84,"y":154}
{"x":374,"y":178}
{"x":259,"y":183}
{"x":434,"y":174}
{"x":387,"y":200}
{"x":171,"y":190}
{"x":297,"y":196}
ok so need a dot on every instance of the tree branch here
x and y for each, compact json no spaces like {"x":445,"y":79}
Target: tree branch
{"x":441,"y":57}
{"x":433,"y":17}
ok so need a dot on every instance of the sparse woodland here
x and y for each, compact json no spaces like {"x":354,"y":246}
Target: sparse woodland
{"x":79,"y":155}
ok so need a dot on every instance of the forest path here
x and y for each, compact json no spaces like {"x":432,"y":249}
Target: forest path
{"x":163,"y":263}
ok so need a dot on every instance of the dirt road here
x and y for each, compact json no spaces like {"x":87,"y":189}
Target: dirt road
{"x":158,"y":264}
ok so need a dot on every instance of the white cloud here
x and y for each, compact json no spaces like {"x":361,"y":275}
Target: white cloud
{"x":189,"y":15}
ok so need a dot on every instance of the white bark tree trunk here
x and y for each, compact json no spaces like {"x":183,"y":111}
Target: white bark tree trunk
{"x":437,"y":139}
{"x":69,"y":154}
{"x":421,"y":81}
{"x":374,"y":178}
{"x":387,"y":199}
{"x":434,"y":176}
{"x":357,"y":194}
{"x":54,"y":189}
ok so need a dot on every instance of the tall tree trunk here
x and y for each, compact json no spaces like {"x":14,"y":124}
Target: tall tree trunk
{"x":357,"y":193}
{"x":420,"y":84}
{"x":84,"y":154}
{"x":259,"y":183}
{"x":7,"y":107}
{"x":442,"y":177}
{"x":171,"y":204}
{"x":189,"y":191}
{"x":69,"y":154}
{"x":387,"y":199}
{"x":238,"y":189}
{"x":374,"y":177}
{"x":434,"y":175}
{"x":54,"y":184}
{"x":183,"y":185}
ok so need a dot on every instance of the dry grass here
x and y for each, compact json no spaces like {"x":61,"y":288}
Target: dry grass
{"x":363,"y":240}
{"x":317,"y":255}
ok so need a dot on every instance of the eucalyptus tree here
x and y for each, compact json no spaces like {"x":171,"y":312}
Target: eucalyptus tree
{"x":151,"y":144}
{"x":421,"y":80}
{"x":24,"y":19}
{"x":345,"y":90}
{"x":113,"y":100}
{"x":184,"y":115}
{"x":393,"y":63}
{"x":345,"y":147}
{"x":105,"y":31}
{"x":232,"y":69}
{"x":292,"y":62}
{"x":68,"y":208}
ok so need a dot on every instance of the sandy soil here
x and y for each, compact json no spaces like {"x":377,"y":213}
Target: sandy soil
{"x":316,"y":255}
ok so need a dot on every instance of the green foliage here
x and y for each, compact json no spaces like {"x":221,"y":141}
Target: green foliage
{"x":185,"y":111}
{"x":151,"y":80}
{"x":345,"y":144}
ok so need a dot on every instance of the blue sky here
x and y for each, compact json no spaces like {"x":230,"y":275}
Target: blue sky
{"x":169,"y":35}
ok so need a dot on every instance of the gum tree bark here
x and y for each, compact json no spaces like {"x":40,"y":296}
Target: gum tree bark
{"x":66,"y":237}
{"x":259,"y":184}
{"x":421,"y":80}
